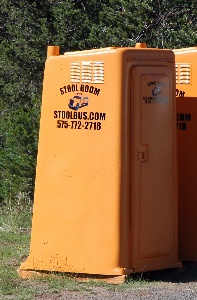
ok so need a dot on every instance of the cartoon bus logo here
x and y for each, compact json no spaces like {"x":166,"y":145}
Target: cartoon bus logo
{"x":78,"y":101}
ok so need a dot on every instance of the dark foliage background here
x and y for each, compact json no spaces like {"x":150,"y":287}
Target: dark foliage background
{"x":27,"y":27}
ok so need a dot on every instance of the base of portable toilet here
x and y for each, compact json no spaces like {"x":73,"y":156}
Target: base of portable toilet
{"x":110,"y":279}
{"x":106,"y":180}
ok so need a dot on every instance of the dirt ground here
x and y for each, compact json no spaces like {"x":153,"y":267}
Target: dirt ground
{"x":178,"y":284}
{"x":160,"y":291}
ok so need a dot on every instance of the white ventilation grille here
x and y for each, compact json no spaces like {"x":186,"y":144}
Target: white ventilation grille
{"x":87,"y":72}
{"x":183,"y":73}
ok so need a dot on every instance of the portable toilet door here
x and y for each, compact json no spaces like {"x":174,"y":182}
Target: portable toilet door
{"x":106,"y":187}
{"x":153,"y":168}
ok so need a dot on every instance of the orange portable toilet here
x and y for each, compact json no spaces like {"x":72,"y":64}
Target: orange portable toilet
{"x":106,"y":182}
{"x":186,"y":91}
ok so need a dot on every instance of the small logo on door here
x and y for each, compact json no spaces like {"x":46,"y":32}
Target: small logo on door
{"x":156,"y":91}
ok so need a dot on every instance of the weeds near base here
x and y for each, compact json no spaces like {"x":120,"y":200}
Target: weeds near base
{"x":16,"y":217}
{"x":15,"y":223}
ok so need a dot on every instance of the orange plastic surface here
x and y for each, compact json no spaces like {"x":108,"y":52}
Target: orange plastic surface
{"x":106,"y":186}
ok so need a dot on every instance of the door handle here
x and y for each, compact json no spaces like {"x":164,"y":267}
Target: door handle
{"x":142,"y":153}
{"x":141,"y":156}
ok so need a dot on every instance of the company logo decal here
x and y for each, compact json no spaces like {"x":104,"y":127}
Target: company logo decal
{"x":157,"y":93}
{"x":77,"y":118}
{"x":78,"y":101}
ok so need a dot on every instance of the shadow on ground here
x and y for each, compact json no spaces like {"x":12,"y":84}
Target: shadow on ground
{"x":188,"y":273}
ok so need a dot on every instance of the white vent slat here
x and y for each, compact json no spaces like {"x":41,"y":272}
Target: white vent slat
{"x":186,"y":81}
{"x":185,"y":76}
{"x":185,"y":66}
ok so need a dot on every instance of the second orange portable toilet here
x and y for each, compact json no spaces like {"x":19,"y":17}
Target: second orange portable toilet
{"x":186,"y":91}
{"x":106,"y":181}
